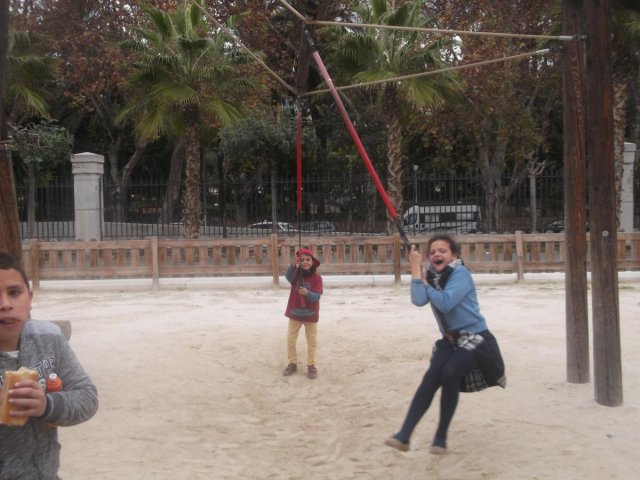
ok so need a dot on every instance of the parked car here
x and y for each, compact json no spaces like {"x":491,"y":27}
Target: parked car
{"x":319,"y":226}
{"x":452,"y":218}
{"x":267,"y":227}
{"x":557,"y":226}
{"x":554,"y":226}
{"x":457,"y":229}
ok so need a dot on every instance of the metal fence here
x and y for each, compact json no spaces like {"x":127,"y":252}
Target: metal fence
{"x":348,"y":204}
{"x":52,"y":210}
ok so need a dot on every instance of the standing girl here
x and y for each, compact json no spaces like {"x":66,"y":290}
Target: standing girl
{"x":303,"y":308}
{"x":467,"y":357}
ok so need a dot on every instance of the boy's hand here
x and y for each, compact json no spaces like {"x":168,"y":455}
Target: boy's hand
{"x":26,"y":399}
{"x":303,"y":291}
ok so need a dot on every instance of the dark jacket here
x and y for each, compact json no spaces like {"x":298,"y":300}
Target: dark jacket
{"x":298,"y":303}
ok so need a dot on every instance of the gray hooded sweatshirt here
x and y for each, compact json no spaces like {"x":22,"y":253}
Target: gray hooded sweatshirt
{"x":32,"y":452}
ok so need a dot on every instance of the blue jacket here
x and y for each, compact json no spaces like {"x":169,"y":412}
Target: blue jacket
{"x":458,"y":302}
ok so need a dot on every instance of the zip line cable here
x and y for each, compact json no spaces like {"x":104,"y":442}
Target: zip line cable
{"x":291,"y":89}
{"x":235,"y":38}
{"x":310,"y":20}
{"x":430,"y":72}
{"x":564,"y":38}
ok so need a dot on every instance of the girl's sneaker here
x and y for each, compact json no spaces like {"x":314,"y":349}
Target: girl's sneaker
{"x":439,"y":446}
{"x":393,"y":442}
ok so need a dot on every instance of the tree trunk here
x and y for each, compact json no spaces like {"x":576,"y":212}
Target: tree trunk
{"x":118,"y":197}
{"x":533,"y":201}
{"x":394,"y":152}
{"x":372,"y":193}
{"x":620,"y":99}
{"x":120,"y":181}
{"x":274,"y":200}
{"x":534,"y":170}
{"x":31,"y":199}
{"x":349,"y":225}
{"x":10,"y":241}
{"x":499,"y":199}
{"x":173,"y":184}
{"x":192,"y":207}
{"x":222,"y":192}
{"x":9,"y":223}
{"x":490,"y":202}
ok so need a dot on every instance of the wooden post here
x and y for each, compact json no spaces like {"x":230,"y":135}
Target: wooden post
{"x":602,"y":204}
{"x":575,"y":277}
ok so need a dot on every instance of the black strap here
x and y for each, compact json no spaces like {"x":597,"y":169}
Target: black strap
{"x":438,"y":281}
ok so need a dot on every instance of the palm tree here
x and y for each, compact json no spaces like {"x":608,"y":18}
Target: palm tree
{"x":183,"y":75}
{"x":30,"y":74}
{"x":378,"y":54}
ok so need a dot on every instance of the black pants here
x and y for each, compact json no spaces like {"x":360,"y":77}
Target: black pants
{"x":447,"y":367}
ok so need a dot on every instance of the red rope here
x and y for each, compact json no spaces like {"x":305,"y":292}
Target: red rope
{"x":354,"y":135}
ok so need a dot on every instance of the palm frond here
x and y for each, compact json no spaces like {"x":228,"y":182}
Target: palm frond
{"x":376,"y":55}
{"x":175,"y":93}
{"x":195,"y":14}
{"x":153,"y":123}
{"x":30,"y":100}
{"x":161,"y":21}
{"x":222,"y":109}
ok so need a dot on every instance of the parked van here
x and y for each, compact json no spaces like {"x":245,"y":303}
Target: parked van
{"x":421,"y":219}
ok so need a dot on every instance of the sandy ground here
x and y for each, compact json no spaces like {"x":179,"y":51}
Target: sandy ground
{"x":190,"y":387}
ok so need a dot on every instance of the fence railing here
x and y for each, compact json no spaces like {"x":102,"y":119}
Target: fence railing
{"x":331,"y":206}
{"x":155,"y":258}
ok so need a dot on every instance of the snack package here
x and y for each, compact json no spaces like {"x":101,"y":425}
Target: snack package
{"x":11,"y":377}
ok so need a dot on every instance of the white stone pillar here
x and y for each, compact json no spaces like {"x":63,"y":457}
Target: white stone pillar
{"x":87,"y":169}
{"x":626,"y":194}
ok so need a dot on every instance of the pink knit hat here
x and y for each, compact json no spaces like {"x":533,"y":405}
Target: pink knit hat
{"x":306,"y":251}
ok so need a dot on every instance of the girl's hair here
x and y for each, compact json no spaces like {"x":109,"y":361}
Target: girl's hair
{"x":443,"y":237}
{"x":9,"y":262}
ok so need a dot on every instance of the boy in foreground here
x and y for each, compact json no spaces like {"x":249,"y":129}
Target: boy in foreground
{"x":32,"y":451}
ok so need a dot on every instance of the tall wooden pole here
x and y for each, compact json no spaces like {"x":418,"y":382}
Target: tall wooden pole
{"x":602,"y":204}
{"x":576,"y":296}
{"x":9,"y":223}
